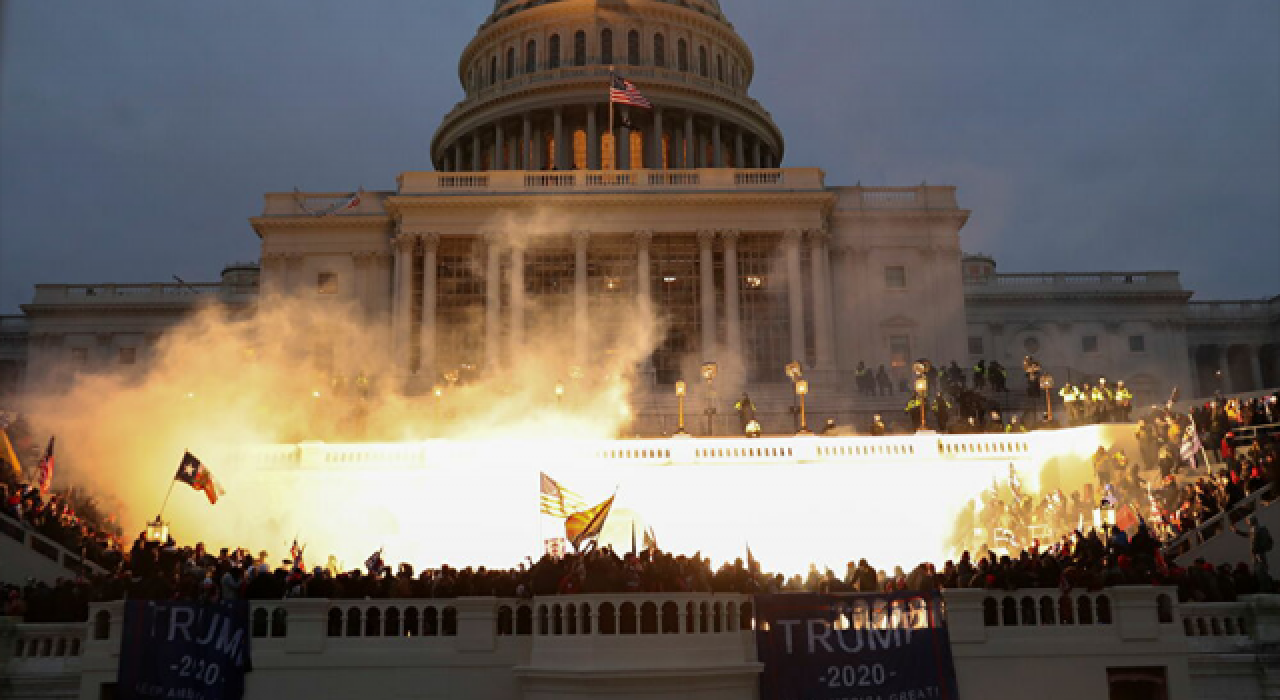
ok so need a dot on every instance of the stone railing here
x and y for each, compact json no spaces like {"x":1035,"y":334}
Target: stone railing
{"x":534,"y":181}
{"x":20,"y":534}
{"x":122,"y":293}
{"x":1111,"y":281}
{"x":47,"y":649}
{"x":1216,"y":627}
{"x":653,"y":451}
{"x":1253,"y":309}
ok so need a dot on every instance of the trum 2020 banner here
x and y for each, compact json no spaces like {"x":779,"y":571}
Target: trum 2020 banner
{"x":858,"y":646}
{"x":196,"y":651}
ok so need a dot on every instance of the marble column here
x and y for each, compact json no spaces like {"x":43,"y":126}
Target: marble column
{"x":690,"y":157}
{"x":717,"y":152}
{"x":732,"y":292}
{"x":537,"y":149}
{"x":677,"y":148}
{"x":516,"y":331}
{"x":655,"y":140}
{"x":707,"y":296}
{"x":557,"y":133}
{"x":580,"y":344}
{"x":644,"y":294}
{"x":593,"y":139}
{"x":499,"y":148}
{"x":526,"y":142}
{"x":476,"y":147}
{"x":795,"y":293}
{"x":427,"y":331}
{"x":405,"y":244}
{"x":493,"y":304}
{"x":622,"y":145}
{"x":738,"y":149}
{"x":457,"y":156}
{"x":820,"y":274}
{"x":755,"y":152}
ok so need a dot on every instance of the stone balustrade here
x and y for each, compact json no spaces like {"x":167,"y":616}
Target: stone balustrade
{"x":123,"y":293}
{"x":1159,"y":280}
{"x":525,"y":181}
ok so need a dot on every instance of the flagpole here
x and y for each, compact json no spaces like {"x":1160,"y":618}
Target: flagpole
{"x":611,"y":139}
{"x":166,"y":498}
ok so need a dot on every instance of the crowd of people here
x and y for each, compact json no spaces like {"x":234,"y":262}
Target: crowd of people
{"x":1047,"y":542}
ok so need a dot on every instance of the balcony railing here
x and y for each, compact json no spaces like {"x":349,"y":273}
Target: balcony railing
{"x":532,"y":182}
{"x":1259,"y":309}
{"x":135,"y":293}
{"x":1110,"y":281}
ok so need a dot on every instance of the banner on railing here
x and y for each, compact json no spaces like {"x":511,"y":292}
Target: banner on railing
{"x":860,"y":645}
{"x":184,"y":650}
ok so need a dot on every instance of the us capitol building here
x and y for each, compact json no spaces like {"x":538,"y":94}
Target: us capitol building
{"x":536,"y":208}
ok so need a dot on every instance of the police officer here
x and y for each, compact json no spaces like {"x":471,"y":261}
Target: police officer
{"x":1071,"y":402}
{"x":1106,"y":413}
{"x":980,"y":375}
{"x":1124,"y":401}
{"x":914,"y":413}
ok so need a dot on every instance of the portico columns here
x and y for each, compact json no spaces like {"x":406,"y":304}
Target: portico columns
{"x":526,"y":143}
{"x":516,"y":335}
{"x":717,"y":152}
{"x":677,"y":148}
{"x":707,"y":299}
{"x":622,"y":144}
{"x":475,"y":150}
{"x":593,"y":139}
{"x":427,"y":332}
{"x":732,"y":288}
{"x":499,"y":148}
{"x":755,"y":152}
{"x":823,"y":328}
{"x":404,"y":247}
{"x":738,"y":149}
{"x":557,"y":126}
{"x":492,"y":304}
{"x":580,"y":297}
{"x":655,"y":145}
{"x":690,"y":158}
{"x":457,"y":156}
{"x":795,"y":293}
{"x":643,"y":291}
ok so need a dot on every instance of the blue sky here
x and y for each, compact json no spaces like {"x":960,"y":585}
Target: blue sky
{"x":137,"y":136}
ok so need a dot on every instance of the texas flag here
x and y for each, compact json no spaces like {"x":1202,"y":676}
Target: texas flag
{"x":196,"y":475}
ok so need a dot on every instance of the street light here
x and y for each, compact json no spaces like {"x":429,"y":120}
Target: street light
{"x":559,"y":391}
{"x":922,"y":390}
{"x":1046,"y":383}
{"x":795,"y":371}
{"x":680,"y":388}
{"x":709,"y":374}
{"x":157,"y":531}
{"x":802,"y":388}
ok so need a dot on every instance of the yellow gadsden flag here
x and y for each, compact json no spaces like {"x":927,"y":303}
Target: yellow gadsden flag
{"x":583,"y":526}
{"x":6,"y":453}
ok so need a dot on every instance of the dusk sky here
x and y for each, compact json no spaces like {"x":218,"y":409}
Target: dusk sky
{"x":137,"y":137}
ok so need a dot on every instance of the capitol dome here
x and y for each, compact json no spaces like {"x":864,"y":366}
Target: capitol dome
{"x":536,"y":84}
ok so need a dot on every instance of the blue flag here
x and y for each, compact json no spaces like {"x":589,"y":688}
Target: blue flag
{"x":184,"y":650}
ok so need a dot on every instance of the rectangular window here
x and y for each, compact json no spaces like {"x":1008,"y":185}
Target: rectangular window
{"x":895,"y":277}
{"x":899,"y":350}
{"x":327,"y":283}
{"x":128,"y":356}
{"x":975,"y":345}
{"x":1089,"y":343}
{"x":1137,"y":343}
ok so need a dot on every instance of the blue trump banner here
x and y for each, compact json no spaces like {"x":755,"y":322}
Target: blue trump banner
{"x":857,"y":646}
{"x":193,"y":651}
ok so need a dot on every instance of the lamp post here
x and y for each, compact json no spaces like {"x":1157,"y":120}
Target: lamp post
{"x":157,"y":531}
{"x":680,"y":389}
{"x":922,"y":390}
{"x":1046,"y":383}
{"x":709,"y":374}
{"x":559,"y":392}
{"x":802,"y":388}
{"x":438,"y":392}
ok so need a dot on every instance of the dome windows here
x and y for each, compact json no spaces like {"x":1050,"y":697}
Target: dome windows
{"x":659,"y":51}
{"x":493,"y":69}
{"x":633,"y":48}
{"x":553,"y":52}
{"x":510,"y":71}
{"x":531,"y":56}
{"x":682,"y":55}
{"x":579,"y":48}
{"x":606,"y":46}
{"x":702,"y":61}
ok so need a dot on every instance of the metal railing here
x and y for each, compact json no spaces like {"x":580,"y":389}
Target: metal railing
{"x":1218,"y":524}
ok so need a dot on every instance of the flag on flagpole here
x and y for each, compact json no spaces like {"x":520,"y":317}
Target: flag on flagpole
{"x":296,"y":552}
{"x":45,"y":468}
{"x":374,"y":562}
{"x":586,"y":525}
{"x":1190,"y":445}
{"x":6,"y":452}
{"x":195,"y":474}
{"x":623,"y":92}
{"x":558,"y":501}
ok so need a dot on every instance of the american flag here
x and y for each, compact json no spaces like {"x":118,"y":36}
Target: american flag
{"x":45,"y":468}
{"x":558,"y":501}
{"x":624,"y":92}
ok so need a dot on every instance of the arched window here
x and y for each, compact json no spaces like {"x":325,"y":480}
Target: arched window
{"x":493,"y":69}
{"x":682,"y":55}
{"x":659,"y":51}
{"x":702,"y":61}
{"x":531,"y":56}
{"x":511,"y":63}
{"x":553,"y":52}
{"x":720,"y":68}
{"x":579,"y":48}
{"x":606,"y":46}
{"x":633,"y":48}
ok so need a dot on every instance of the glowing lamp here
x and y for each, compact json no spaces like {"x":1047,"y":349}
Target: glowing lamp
{"x":1046,"y":381}
{"x":680,"y":387}
{"x":559,"y":390}
{"x":794,"y":370}
{"x":157,"y":531}
{"x":922,"y":385}
{"x":709,"y":371}
{"x":437,"y":390}
{"x":802,"y":387}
